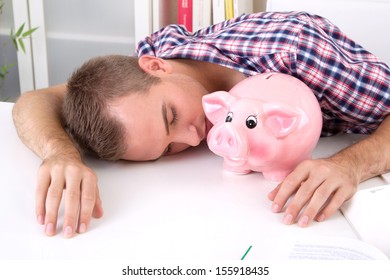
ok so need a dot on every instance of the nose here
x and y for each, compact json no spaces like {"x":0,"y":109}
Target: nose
{"x":191,"y":136}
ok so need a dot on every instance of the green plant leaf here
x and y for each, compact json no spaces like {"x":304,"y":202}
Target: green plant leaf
{"x":17,"y":40}
{"x":7,"y":66}
{"x":15,"y":43}
{"x":29,"y":32}
{"x":20,"y":30}
{"x":21,"y":44}
{"x":4,"y":70}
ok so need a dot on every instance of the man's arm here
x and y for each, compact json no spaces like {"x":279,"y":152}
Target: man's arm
{"x":321,"y":186}
{"x":37,"y":119}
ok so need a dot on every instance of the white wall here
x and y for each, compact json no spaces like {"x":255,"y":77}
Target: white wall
{"x":80,"y":29}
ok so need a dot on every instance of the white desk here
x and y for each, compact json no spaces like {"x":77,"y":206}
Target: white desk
{"x":180,"y":207}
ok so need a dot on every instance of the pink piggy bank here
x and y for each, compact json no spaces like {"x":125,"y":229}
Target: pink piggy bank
{"x":267,"y":123}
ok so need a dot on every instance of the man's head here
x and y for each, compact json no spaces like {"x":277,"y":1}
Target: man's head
{"x":120,"y":107}
{"x":90,"y":88}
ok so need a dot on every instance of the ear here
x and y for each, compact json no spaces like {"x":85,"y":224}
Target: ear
{"x":154,"y":65}
{"x":216,"y":105}
{"x":280,"y":118}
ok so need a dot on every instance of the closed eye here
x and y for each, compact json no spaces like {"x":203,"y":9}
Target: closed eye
{"x":174,"y":116}
{"x":168,"y":149}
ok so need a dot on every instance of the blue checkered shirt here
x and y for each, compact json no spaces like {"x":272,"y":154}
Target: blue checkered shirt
{"x":351,"y":84}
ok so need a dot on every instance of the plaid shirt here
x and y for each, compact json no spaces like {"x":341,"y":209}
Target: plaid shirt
{"x":351,"y":84}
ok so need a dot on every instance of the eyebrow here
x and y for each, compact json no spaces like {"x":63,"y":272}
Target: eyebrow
{"x":164,"y":116}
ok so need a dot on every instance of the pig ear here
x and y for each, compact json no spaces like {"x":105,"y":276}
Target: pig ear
{"x":216,"y":105}
{"x":281,"y":119}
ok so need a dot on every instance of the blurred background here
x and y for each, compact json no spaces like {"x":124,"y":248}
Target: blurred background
{"x":72,"y":31}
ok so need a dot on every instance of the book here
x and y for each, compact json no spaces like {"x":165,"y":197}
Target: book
{"x":229,"y":9}
{"x":218,"y":11}
{"x":184,"y":13}
{"x":155,"y":15}
{"x":164,"y":12}
{"x":368,"y":213}
{"x":241,"y":7}
{"x":201,"y":14}
{"x":309,"y":247}
{"x":143,"y":27}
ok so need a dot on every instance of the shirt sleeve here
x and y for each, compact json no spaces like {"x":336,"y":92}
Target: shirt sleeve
{"x":351,"y":84}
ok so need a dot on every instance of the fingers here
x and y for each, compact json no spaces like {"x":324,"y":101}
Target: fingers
{"x":98,"y":209}
{"x":72,"y":205}
{"x":314,"y":190}
{"x":48,"y":197}
{"x":314,"y":197}
{"x":81,"y":197}
{"x":333,"y":205}
{"x":40,"y":194}
{"x":287,"y":188}
{"x":89,"y":196}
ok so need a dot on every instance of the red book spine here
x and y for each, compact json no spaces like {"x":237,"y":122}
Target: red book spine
{"x":184,"y":10}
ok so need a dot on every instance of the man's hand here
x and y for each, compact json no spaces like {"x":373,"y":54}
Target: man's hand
{"x":320,"y":187}
{"x":69,"y":176}
{"x":38,"y":123}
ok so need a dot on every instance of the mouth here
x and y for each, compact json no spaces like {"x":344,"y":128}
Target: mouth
{"x":235,"y":161}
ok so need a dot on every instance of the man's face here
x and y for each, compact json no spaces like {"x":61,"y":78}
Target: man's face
{"x":166,"y":120}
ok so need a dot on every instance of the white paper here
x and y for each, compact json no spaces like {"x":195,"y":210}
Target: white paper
{"x":368,"y":213}
{"x":305,"y":247}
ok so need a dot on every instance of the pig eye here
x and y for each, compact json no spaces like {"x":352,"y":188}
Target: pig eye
{"x":251,"y":122}
{"x":229,"y":117}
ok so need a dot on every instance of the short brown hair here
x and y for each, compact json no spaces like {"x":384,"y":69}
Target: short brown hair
{"x":89,"y":89}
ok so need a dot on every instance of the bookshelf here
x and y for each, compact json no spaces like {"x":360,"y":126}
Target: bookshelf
{"x":348,"y":15}
{"x":151,"y":15}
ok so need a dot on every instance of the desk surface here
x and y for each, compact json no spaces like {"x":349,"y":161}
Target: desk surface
{"x":180,"y":207}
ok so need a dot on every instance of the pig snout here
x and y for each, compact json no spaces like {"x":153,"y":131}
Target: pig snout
{"x":228,"y":141}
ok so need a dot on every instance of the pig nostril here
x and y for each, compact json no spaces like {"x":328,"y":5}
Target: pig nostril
{"x":219,"y":139}
{"x":230,"y":142}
